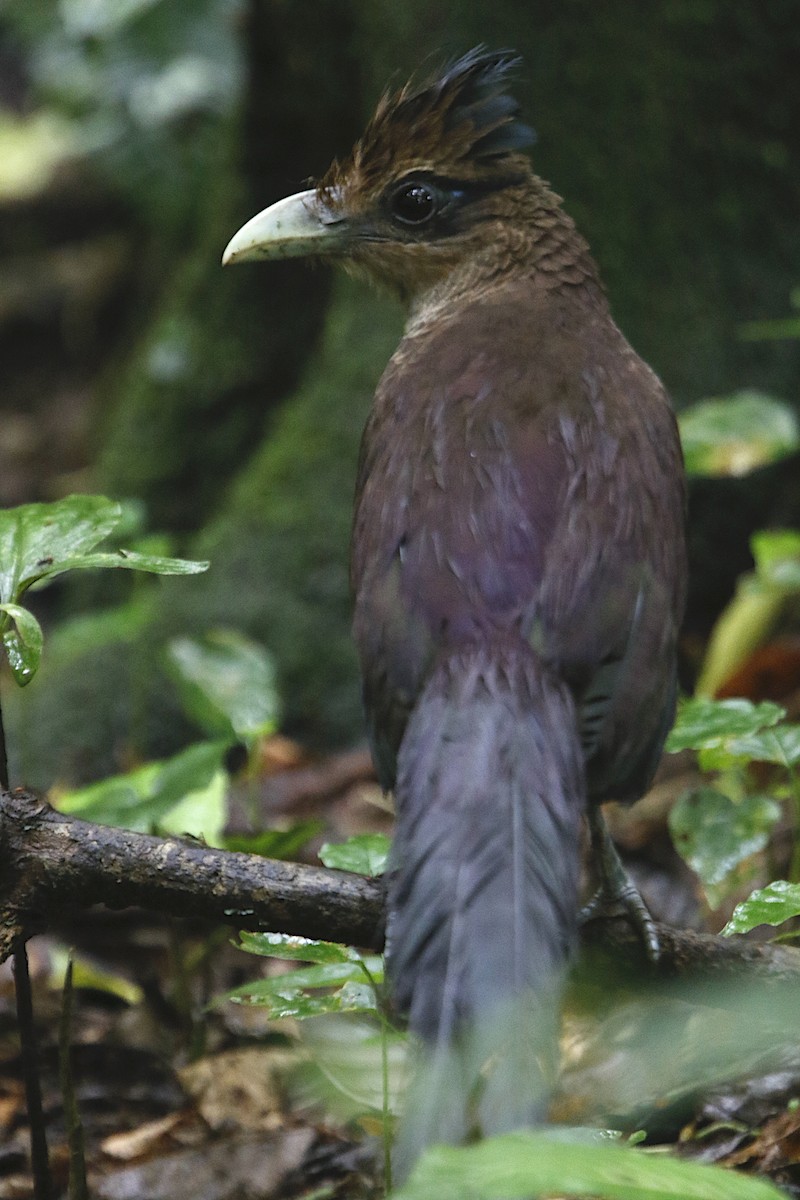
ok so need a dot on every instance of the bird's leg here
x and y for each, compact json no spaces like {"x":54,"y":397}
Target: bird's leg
{"x":616,"y":886}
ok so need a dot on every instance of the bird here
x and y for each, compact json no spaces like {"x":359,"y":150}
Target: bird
{"x":518,"y":571}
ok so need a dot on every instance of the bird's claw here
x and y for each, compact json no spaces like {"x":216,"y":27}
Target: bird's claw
{"x":617,"y":890}
{"x":635,"y":909}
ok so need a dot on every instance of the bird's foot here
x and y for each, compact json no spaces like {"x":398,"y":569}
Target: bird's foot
{"x":617,"y":890}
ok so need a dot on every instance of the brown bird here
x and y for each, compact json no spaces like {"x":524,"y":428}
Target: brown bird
{"x":518,"y":568}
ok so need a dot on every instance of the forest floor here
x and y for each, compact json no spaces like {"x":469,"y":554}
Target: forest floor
{"x":184,"y":1094}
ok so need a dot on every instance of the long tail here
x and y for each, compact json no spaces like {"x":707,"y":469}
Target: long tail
{"x":483,"y":892}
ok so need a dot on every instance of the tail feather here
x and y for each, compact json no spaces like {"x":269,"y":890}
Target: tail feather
{"x":483,"y":891}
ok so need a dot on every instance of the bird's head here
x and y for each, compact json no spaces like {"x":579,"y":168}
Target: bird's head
{"x":436,"y":174}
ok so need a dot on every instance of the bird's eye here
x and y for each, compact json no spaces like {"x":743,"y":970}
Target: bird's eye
{"x":413,"y":203}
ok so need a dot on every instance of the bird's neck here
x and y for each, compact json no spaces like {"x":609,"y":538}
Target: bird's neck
{"x":534,"y":239}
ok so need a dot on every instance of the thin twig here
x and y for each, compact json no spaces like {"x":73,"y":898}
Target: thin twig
{"x":78,"y":1189}
{"x":4,"y":781}
{"x":40,"y":1162}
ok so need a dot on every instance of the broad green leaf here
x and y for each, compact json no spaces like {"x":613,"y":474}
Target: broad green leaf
{"x":353,"y":997}
{"x":276,"y":843}
{"x":736,"y":434}
{"x":201,"y":813}
{"x":227,"y":683}
{"x":283,"y":945}
{"x":321,"y":975}
{"x":34,"y":536}
{"x":124,"y":560}
{"x":23,"y":644}
{"x":518,"y":1166}
{"x":714,"y":835}
{"x":41,"y":541}
{"x":780,"y":745}
{"x":348,"y":1055}
{"x":714,"y":724}
{"x":772,"y":905}
{"x":143,"y":799}
{"x":365,"y":854}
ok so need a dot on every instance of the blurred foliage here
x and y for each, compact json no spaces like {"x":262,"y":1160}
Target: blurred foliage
{"x":582,"y":1162}
{"x":766,"y":601}
{"x":736,"y":434}
{"x":722,"y":827}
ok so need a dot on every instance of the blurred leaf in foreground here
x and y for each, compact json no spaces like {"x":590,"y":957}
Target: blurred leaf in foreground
{"x":736,"y":434}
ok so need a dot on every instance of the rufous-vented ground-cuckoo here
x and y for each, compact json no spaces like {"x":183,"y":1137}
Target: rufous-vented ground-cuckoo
{"x":518,"y":567}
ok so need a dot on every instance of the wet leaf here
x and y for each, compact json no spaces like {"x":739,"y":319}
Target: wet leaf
{"x":23,"y":643}
{"x":283,"y":945}
{"x":772,"y":905}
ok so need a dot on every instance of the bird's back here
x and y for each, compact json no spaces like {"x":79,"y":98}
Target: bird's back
{"x":520,"y":475}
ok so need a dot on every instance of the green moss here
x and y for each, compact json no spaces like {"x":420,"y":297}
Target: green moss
{"x":279,"y":549}
{"x":278,"y":572}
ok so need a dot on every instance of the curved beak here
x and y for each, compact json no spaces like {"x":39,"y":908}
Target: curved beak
{"x":292,"y":228}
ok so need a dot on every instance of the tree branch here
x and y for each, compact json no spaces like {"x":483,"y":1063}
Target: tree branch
{"x":51,"y":863}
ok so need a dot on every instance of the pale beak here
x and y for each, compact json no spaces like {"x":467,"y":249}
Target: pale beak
{"x":297,"y":226}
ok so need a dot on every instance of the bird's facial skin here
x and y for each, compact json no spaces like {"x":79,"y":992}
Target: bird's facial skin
{"x":408,"y":234}
{"x":437,"y":180}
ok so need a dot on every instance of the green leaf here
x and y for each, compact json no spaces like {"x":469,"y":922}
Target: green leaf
{"x":736,"y":434}
{"x":294,"y":993}
{"x":200,"y":813}
{"x":353,"y":997}
{"x":276,"y":843}
{"x":227,"y":683}
{"x":777,"y":556}
{"x":41,"y":541}
{"x":714,"y":835}
{"x":365,"y":854}
{"x":741,"y":629}
{"x":124,"y":560}
{"x":33,"y":536}
{"x":780,"y":745}
{"x":710,"y":724}
{"x":283,"y":945}
{"x":772,"y":905}
{"x":517,"y":1166}
{"x":23,"y":645}
{"x":321,"y":975}
{"x":86,"y":973}
{"x":345,"y":1065}
{"x":145,"y":799}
